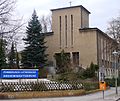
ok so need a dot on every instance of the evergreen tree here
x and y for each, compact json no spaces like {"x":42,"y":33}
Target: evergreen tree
{"x":62,"y":62}
{"x":34,"y":53}
{"x":17,"y":59}
{"x":90,"y":72}
{"x":12,"y":57}
{"x":2,"y":54}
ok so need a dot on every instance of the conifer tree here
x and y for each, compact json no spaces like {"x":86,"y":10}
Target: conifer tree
{"x":62,"y":62}
{"x":17,"y":59}
{"x":12,"y":57}
{"x":2,"y":54}
{"x":34,"y":53}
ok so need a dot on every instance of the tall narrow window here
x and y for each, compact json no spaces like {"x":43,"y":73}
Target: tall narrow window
{"x":60,"y":29}
{"x":66,"y":30}
{"x":71,"y":30}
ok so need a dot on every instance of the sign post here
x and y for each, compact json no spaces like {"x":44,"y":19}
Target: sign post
{"x":102,"y":83}
{"x":101,"y":73}
{"x":19,"y":74}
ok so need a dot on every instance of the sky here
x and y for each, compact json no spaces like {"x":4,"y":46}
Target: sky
{"x":102,"y":11}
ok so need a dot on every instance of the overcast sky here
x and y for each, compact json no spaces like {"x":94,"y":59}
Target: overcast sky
{"x":102,"y":11}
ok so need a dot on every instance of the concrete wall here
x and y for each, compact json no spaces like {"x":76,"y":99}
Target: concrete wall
{"x":84,"y":18}
{"x":89,"y":42}
{"x":83,"y":42}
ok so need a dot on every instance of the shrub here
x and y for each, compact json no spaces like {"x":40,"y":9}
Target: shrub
{"x":68,"y":76}
{"x":62,"y":62}
{"x":90,"y":85}
{"x":111,"y":82}
{"x":43,"y":72}
{"x":39,"y":86}
{"x":90,"y":72}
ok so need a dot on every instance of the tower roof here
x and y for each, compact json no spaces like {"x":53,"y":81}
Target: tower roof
{"x":71,"y":7}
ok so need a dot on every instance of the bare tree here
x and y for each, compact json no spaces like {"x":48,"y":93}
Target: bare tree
{"x":46,"y":22}
{"x":8,"y":24}
{"x":9,"y":27}
{"x":43,"y":22}
{"x":6,"y":9}
{"x":114,"y":29}
{"x":49,"y":22}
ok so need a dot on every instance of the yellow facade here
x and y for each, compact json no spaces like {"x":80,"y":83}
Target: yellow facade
{"x":72,"y":34}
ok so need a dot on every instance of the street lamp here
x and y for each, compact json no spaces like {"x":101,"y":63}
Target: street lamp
{"x":116,"y":54}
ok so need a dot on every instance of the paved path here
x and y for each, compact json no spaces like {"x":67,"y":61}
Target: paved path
{"x":109,"y":96}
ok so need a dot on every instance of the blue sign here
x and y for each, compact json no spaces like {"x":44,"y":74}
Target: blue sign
{"x":19,"y":73}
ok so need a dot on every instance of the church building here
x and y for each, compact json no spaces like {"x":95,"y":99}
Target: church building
{"x":71,"y":33}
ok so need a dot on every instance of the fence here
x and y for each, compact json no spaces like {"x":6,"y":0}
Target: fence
{"x":39,"y":86}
